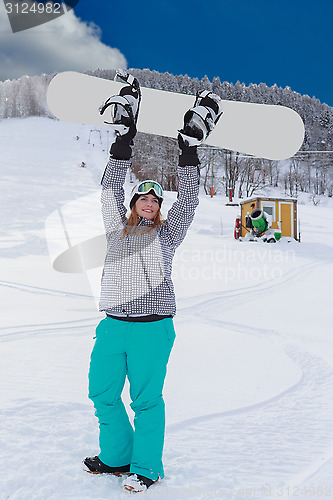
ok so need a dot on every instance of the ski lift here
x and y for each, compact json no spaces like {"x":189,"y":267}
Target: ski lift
{"x":95,"y":131}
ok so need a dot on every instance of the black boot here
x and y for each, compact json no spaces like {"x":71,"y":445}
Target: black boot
{"x":97,"y":467}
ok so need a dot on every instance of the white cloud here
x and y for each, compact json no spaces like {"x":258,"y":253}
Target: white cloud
{"x":66,"y":43}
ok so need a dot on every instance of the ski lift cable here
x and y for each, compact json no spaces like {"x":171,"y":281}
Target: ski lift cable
{"x":250,"y":156}
{"x":316,"y":151}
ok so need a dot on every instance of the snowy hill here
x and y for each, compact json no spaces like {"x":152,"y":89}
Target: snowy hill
{"x":249,"y":386}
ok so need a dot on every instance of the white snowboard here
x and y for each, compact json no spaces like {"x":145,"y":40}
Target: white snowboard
{"x":267,"y":131}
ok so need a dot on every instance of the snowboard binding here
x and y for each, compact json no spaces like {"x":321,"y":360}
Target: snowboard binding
{"x":123,"y":109}
{"x":200,"y":120}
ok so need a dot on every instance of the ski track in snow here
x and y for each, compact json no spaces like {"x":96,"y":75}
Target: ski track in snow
{"x":270,"y":447}
{"x":11,"y":333}
{"x":206,"y":302}
{"x":274,"y":448}
{"x":225,"y":300}
{"x":74,"y":327}
{"x":276,"y":444}
{"x":282,"y":438}
{"x":291,"y":459}
{"x":41,"y":291}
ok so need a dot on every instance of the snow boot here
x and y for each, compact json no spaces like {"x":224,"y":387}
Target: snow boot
{"x":95,"y":466}
{"x":123,"y":109}
{"x":200,"y":120}
{"x":135,"y":483}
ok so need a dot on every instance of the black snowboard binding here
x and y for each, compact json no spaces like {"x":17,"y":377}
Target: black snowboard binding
{"x":200,"y":120}
{"x":123,"y":109}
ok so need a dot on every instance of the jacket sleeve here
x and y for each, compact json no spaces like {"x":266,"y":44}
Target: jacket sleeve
{"x":181,"y":214}
{"x":113,"y":194}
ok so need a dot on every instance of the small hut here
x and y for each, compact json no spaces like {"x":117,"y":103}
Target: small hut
{"x":283,"y":213}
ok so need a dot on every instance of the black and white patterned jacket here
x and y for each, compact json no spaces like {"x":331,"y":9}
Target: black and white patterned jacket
{"x":137,"y":270}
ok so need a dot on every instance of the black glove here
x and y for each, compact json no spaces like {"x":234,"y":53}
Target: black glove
{"x":189,"y":155}
{"x":121,"y":148}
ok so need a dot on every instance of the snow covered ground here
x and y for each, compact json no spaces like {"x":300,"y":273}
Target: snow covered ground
{"x":249,"y":391}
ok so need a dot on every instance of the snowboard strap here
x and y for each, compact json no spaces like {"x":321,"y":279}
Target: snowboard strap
{"x":200,"y":120}
{"x":125,"y":106}
{"x":117,"y":100}
{"x":121,"y":74}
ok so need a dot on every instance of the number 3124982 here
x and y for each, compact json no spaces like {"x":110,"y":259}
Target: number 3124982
{"x":33,"y":8}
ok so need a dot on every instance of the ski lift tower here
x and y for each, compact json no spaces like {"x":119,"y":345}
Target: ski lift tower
{"x":94,"y":131}
{"x":212,"y":185}
{"x":258,"y":175}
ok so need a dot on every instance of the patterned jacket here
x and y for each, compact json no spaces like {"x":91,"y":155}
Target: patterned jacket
{"x":137,"y":269}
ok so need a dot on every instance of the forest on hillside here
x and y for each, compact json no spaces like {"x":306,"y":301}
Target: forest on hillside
{"x":310,"y":170}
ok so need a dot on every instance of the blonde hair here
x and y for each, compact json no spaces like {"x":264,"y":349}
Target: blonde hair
{"x":133,"y":221}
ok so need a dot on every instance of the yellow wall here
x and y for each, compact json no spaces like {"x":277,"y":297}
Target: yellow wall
{"x":285,"y":211}
{"x":286,"y":219}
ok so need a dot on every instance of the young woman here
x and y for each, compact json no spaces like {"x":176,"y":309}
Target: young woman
{"x":137,"y":334}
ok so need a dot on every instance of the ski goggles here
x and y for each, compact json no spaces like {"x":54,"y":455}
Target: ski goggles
{"x":146,"y":186}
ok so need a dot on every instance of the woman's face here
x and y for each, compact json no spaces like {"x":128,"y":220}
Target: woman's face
{"x":147,"y":206}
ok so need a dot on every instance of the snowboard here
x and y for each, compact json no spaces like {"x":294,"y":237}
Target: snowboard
{"x":261,"y":130}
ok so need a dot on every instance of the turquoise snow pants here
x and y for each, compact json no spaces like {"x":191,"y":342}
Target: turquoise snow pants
{"x":139,"y":351}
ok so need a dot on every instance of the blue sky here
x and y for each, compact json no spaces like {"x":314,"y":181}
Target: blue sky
{"x":285,"y":42}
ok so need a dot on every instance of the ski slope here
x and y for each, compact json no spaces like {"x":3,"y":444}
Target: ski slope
{"x":249,"y":390}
